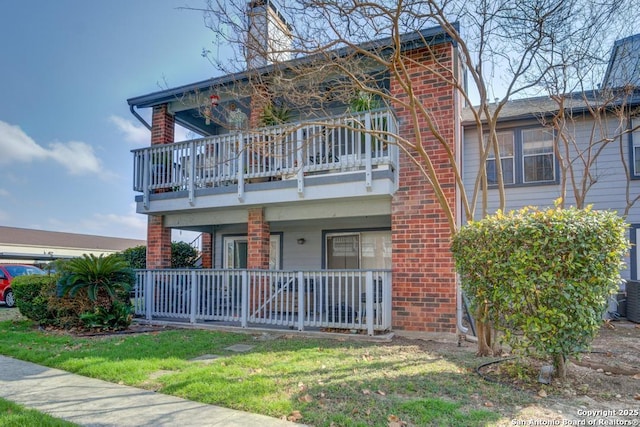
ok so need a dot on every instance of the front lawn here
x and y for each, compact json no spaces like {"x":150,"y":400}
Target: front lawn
{"x":319,"y":382}
{"x":12,"y":415}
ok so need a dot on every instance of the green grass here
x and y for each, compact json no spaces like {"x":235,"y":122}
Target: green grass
{"x":12,"y":415}
{"x":330,"y":382}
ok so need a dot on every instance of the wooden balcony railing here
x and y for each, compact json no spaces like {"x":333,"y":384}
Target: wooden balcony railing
{"x":335,"y":145}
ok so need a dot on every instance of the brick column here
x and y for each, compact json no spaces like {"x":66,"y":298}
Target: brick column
{"x":424,"y":280}
{"x":207,"y":250}
{"x":158,"y":243}
{"x":259,"y":100}
{"x":258,"y":234}
{"x":158,"y":236}
{"x":162,"y":125}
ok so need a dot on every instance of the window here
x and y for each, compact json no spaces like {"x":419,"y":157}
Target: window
{"x":506,"y":147}
{"x":635,"y":148}
{"x":526,"y":155}
{"x":537,"y":155}
{"x":359,"y":249}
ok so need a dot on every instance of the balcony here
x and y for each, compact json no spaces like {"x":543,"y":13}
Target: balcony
{"x":340,"y":157}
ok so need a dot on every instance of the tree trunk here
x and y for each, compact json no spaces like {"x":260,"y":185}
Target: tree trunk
{"x":560,"y":366}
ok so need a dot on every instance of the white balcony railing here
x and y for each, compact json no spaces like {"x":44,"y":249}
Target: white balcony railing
{"x":339,"y":144}
{"x":337,"y":299}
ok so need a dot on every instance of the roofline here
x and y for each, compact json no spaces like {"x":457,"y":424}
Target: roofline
{"x":433,"y":35}
{"x":614,"y":53}
{"x":632,"y":101}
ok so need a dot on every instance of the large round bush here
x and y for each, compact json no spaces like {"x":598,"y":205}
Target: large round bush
{"x":543,"y":276}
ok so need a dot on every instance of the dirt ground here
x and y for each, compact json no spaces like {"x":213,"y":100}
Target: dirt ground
{"x":602,"y":388}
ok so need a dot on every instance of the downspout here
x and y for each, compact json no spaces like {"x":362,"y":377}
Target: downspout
{"x":457,"y":134}
{"x":139,"y":117}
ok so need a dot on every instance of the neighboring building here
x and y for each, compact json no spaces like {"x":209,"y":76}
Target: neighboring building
{"x":21,"y":245}
{"x":530,"y":146}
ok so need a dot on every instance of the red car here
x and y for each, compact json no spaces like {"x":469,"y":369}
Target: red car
{"x":7,"y":273}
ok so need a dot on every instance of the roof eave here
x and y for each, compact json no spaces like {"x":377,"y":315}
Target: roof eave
{"x":432,"y":35}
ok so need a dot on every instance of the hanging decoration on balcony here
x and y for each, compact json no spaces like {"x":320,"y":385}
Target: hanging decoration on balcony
{"x":214,"y":100}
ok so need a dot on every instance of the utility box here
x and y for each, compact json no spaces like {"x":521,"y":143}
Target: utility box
{"x":633,"y":301}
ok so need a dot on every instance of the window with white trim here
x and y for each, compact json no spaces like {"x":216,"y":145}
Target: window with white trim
{"x":527,"y":157}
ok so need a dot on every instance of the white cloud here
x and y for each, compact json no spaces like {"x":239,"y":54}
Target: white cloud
{"x":77,"y":157}
{"x":132,"y":226}
{"x":16,"y":146}
{"x":4,"y":193}
{"x":137,"y":134}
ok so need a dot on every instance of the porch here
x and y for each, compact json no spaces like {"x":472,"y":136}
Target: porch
{"x":318,"y":159}
{"x":357,"y":300}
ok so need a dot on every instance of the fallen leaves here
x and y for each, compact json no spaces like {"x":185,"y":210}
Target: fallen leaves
{"x":394,"y":421}
{"x":367,"y":357}
{"x":367,"y":392}
{"x":294,"y":416}
{"x":306,"y":398}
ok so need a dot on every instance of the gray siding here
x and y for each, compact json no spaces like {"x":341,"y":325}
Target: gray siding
{"x":609,"y":192}
{"x":307,"y":256}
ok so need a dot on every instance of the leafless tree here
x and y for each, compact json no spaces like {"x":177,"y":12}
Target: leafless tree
{"x":504,"y":49}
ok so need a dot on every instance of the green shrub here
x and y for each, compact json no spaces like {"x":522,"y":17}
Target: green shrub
{"x":97,"y":275}
{"x":117,"y":317}
{"x":136,"y":256}
{"x":543,"y":275}
{"x":32,"y":297}
{"x":67,"y":310}
{"x":183,"y":255}
{"x":94,"y":292}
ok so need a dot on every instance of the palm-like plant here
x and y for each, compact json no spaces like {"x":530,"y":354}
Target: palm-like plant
{"x":110,"y":274}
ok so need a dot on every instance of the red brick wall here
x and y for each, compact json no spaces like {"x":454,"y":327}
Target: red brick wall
{"x":207,"y":250}
{"x":162,"y":125}
{"x":424,"y":281}
{"x":159,"y":237}
{"x":259,"y":101}
{"x":158,"y":250}
{"x":258,"y":240}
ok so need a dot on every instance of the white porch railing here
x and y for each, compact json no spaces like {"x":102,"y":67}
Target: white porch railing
{"x":337,"y":144}
{"x":340,"y":299}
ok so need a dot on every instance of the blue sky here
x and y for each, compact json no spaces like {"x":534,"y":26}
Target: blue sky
{"x":67,"y":68}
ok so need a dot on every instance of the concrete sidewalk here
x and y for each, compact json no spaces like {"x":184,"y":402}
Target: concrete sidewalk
{"x":91,"y":402}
